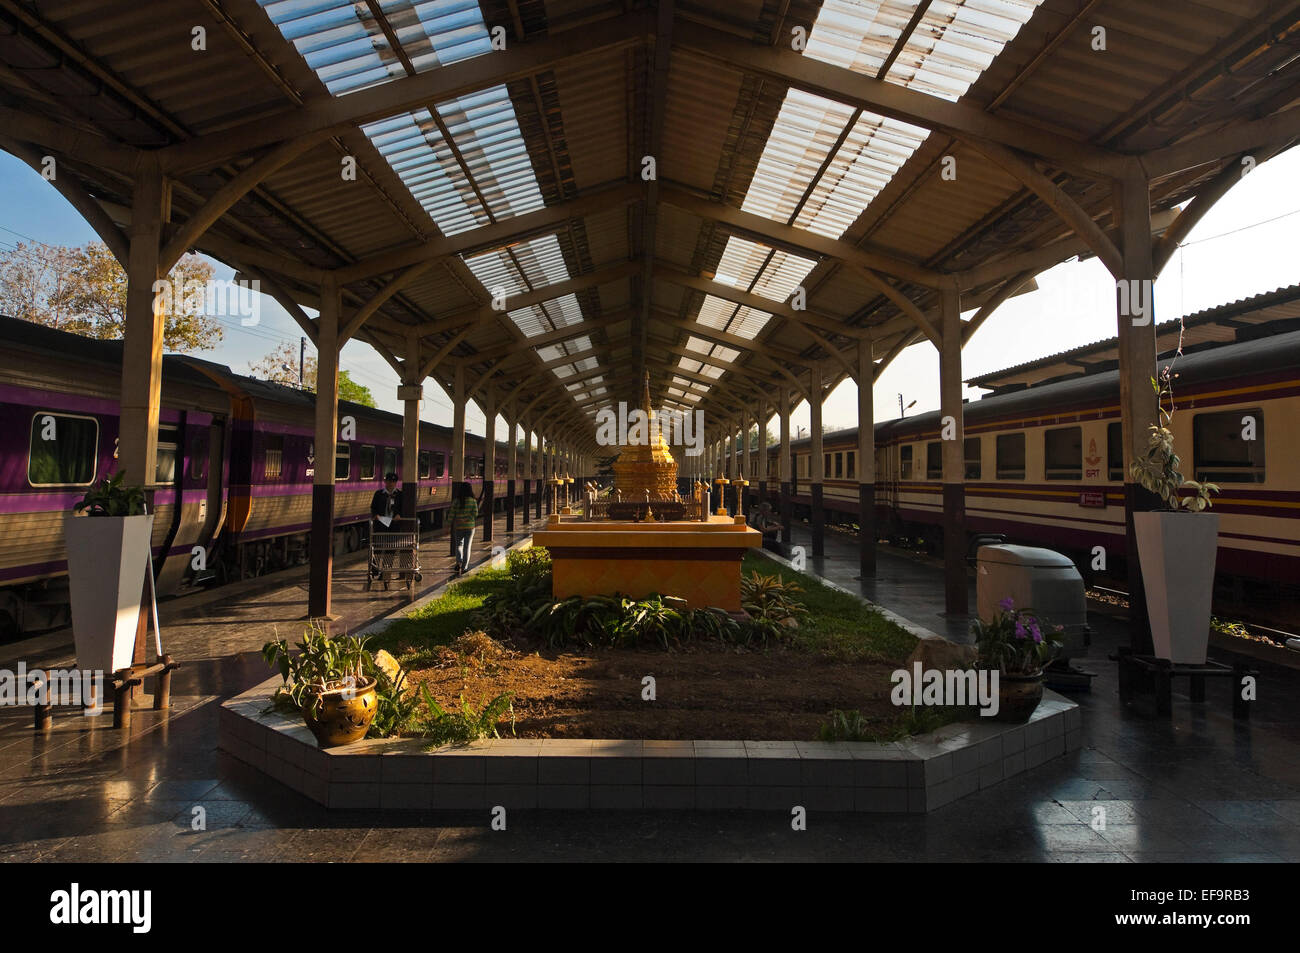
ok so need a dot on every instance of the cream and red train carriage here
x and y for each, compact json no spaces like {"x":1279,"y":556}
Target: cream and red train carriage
{"x":1044,"y":462}
{"x":234,"y":470}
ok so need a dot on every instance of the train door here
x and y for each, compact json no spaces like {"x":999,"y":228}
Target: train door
{"x":212,"y":459}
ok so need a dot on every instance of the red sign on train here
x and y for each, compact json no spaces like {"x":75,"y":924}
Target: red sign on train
{"x":1094,"y":499}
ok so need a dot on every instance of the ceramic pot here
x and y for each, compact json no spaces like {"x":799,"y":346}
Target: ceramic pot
{"x":1018,"y":696}
{"x":340,"y":714}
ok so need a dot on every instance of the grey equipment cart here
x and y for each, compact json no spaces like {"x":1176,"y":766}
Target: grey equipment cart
{"x":394,"y":553}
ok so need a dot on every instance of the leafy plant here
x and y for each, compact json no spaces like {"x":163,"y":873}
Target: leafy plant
{"x":1013,"y":641}
{"x":322,"y":663}
{"x":1157,"y":470}
{"x":110,"y":498}
{"x":845,"y":726}
{"x":460,"y":727}
{"x":531,"y":566}
{"x":771,"y":604}
{"x":660,"y":619}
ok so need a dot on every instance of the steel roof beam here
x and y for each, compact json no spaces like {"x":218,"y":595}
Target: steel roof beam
{"x":1223,"y":143}
{"x":527,"y":299}
{"x":800,"y":241}
{"x":889,"y":99}
{"x":543,"y":221}
{"x":334,"y":114}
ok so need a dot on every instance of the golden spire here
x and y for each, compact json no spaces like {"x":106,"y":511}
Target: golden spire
{"x":645,"y":397}
{"x":646,"y":466}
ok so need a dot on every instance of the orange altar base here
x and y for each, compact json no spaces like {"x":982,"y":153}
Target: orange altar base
{"x":698,"y":561}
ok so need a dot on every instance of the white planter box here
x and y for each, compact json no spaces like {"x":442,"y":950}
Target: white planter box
{"x":1178,"y":551}
{"x":107,"y":560}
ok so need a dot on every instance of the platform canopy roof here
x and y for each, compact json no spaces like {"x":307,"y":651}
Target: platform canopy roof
{"x":820,"y":169}
{"x":1261,"y":315}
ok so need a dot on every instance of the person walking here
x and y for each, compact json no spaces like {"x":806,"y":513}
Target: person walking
{"x":464,"y":517}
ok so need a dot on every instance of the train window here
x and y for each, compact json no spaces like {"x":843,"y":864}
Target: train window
{"x":839,"y":466}
{"x":169,"y":438}
{"x":1228,"y":447}
{"x":1115,"y":453}
{"x":342,"y":461}
{"x":974,"y":458}
{"x":905,"y":462}
{"x":1063,"y":454}
{"x":439,"y":463}
{"x":273,"y":466}
{"x":366,"y":462}
{"x":933,"y":461}
{"x":849,"y":469}
{"x":390,"y":460}
{"x":426,"y":462}
{"x":198,"y":457}
{"x":1011,"y":456}
{"x":64,"y":450}
{"x":826,"y":465}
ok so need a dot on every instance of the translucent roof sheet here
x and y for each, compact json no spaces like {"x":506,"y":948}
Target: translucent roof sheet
{"x":951,"y":46}
{"x":467,"y":165}
{"x":346,"y":47}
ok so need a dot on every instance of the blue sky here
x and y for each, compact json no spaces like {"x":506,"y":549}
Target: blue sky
{"x":1245,"y":245}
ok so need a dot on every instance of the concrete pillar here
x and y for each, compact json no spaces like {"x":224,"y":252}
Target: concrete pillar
{"x":952,"y":444}
{"x":817,"y":468}
{"x":546,"y":487}
{"x":410,"y":392}
{"x":457,"y":441}
{"x":512,"y":471}
{"x":541,"y":473}
{"x":866,"y":462}
{"x":761,"y":466}
{"x":321,"y":581}
{"x":1139,"y":407}
{"x":528,"y":472}
{"x":141,"y":394}
{"x":746,"y":461}
{"x":785,"y":465}
{"x":489,"y":460}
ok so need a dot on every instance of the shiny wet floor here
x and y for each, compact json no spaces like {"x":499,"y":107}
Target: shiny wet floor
{"x":1194,"y":786}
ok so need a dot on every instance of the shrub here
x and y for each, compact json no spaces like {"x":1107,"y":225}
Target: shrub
{"x":771,"y":604}
{"x":444,"y":727}
{"x":322,"y":660}
{"x":530,"y":565}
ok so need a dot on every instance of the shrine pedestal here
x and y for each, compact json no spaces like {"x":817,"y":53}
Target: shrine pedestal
{"x":697,"y":561}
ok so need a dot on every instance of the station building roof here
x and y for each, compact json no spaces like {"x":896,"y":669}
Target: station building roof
{"x":481,"y":169}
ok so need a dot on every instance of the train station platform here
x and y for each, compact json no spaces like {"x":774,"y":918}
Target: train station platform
{"x":904,"y":581}
{"x":1193,"y":786}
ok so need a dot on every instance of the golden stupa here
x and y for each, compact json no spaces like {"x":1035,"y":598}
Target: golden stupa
{"x":646,"y":467}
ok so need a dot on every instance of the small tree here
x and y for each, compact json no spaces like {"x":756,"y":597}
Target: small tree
{"x":83,"y":290}
{"x":281,"y":366}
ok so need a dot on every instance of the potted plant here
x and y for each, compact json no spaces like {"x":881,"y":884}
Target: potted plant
{"x":1177,"y":545}
{"x":336,"y":684}
{"x":108,"y":539}
{"x":1013,"y":644}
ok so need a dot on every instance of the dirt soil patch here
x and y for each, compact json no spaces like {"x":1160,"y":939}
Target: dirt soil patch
{"x":702,"y":691}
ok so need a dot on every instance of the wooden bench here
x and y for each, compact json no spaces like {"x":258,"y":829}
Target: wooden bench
{"x":124,"y":681}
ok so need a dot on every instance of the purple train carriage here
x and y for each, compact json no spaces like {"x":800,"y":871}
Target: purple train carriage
{"x":233,"y":472}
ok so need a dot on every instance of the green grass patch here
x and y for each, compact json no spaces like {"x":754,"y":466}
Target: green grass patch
{"x":441,"y":621}
{"x":852,"y":725}
{"x":838,"y":624}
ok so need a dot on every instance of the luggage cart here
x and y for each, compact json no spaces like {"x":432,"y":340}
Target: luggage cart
{"x":394,"y":553}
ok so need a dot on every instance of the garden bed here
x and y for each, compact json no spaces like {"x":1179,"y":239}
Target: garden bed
{"x":780,"y":687}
